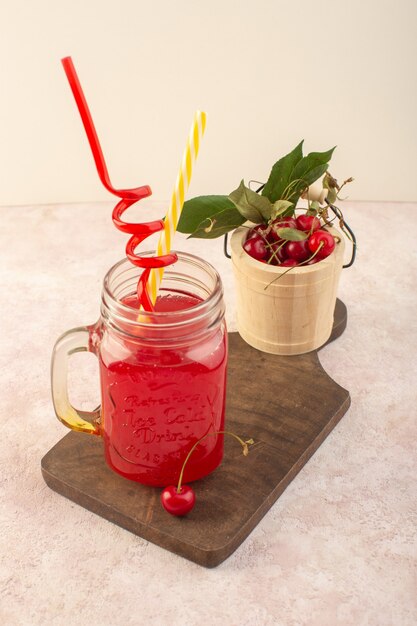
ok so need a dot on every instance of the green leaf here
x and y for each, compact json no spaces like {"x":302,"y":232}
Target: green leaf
{"x":311,"y":167}
{"x":250,"y":204}
{"x":198,"y":209}
{"x":293,"y":173}
{"x":281,"y":174}
{"x":281,"y":208}
{"x":291,"y":234}
{"x":300,"y":184}
{"x":219,"y":224}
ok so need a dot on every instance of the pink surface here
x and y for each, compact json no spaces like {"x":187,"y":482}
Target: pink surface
{"x":339,"y":546}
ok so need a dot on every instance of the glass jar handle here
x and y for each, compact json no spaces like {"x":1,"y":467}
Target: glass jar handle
{"x":75,"y":340}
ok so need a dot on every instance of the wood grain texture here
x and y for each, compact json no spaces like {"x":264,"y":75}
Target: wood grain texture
{"x":288,"y":426}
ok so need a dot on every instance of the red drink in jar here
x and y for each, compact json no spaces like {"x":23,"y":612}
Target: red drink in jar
{"x":159,"y":400}
{"x":163,"y":374}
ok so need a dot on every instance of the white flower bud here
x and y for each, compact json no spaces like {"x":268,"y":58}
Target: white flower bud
{"x":316,"y":193}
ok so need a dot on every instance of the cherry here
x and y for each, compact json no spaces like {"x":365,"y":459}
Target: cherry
{"x":298,"y":250}
{"x":178,"y":501}
{"x":289,"y":263}
{"x":285,"y":222}
{"x":311,"y":261}
{"x":256,"y":248}
{"x":288,"y":222}
{"x":259,"y":229}
{"x":276,"y":253}
{"x":308,"y":223}
{"x":322,"y":243}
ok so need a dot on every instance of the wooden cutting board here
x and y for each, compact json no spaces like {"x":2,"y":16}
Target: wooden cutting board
{"x":287,"y":404}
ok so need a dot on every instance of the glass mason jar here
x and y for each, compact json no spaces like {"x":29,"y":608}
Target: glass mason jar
{"x":162,"y":374}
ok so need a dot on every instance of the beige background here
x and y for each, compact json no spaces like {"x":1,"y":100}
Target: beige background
{"x":267,"y":73}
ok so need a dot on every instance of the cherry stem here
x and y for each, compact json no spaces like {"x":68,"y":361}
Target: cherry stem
{"x":244,"y":445}
{"x":341,"y":221}
{"x":290,"y":188}
{"x":274,"y":254}
{"x":345,"y":182}
{"x":321,"y":244}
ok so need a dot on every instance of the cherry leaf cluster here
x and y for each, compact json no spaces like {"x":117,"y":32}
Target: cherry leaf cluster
{"x":212,"y":216}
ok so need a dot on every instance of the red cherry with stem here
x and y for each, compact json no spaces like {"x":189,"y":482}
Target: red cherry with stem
{"x":288,"y":222}
{"x":322,"y":243}
{"x":178,"y":502}
{"x":308,"y":223}
{"x":256,"y":248}
{"x":298,"y":250}
{"x":289,"y":263}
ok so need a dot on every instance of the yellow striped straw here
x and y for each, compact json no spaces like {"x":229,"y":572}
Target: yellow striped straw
{"x":177,"y":200}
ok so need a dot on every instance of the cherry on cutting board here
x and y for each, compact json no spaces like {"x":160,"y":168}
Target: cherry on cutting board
{"x":178,"y":502}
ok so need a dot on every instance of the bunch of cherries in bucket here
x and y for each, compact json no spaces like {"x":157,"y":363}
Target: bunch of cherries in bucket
{"x":290,"y":241}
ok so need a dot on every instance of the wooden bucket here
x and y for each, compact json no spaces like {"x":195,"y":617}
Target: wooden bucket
{"x":294,"y":314}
